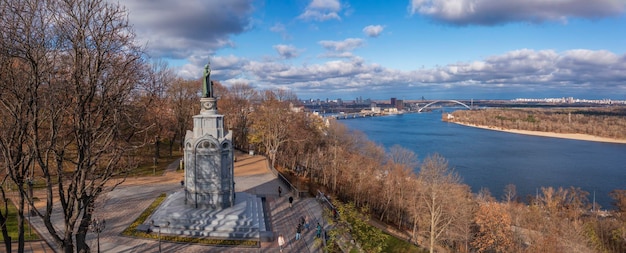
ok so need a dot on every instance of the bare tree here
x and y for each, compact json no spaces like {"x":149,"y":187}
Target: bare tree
{"x":510,"y":193}
{"x":237,"y":105}
{"x":271,"y":122}
{"x":183,"y":98}
{"x":26,"y":62}
{"x":79,"y":144}
{"x":4,"y":216}
{"x":441,"y":192}
{"x":158,"y":115}
{"x":17,"y":155}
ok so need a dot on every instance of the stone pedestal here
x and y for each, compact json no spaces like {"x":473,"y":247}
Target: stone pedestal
{"x":209,"y":164}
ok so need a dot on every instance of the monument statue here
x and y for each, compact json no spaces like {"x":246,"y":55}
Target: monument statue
{"x":207,"y":85}
{"x":207,"y":207}
{"x":209,"y":178}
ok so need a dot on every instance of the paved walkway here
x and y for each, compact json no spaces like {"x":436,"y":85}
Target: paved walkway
{"x":123,"y":205}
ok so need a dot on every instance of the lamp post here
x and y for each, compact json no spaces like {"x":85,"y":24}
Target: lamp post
{"x":97,"y":226}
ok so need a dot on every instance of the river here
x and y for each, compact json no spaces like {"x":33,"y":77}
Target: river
{"x":493,"y":159}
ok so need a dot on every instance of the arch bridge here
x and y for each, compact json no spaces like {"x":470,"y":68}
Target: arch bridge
{"x":444,"y":101}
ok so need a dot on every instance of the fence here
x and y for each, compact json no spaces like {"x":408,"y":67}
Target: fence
{"x":297,"y":192}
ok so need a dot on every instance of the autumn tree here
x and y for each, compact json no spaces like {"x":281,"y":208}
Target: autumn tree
{"x":619,"y":201}
{"x":339,"y":144}
{"x":271,"y":121}
{"x":183,"y":103}
{"x":494,"y":228}
{"x":237,"y":104}
{"x":158,"y":115}
{"x":305,"y":136}
{"x":360,"y":178}
{"x":604,"y":122}
{"x":397,"y":172}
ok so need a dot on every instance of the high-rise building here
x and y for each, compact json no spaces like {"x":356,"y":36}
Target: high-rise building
{"x":399,"y":104}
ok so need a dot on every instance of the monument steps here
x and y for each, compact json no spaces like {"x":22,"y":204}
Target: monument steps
{"x":245,"y":220}
{"x":200,"y":223}
{"x":217,"y":234}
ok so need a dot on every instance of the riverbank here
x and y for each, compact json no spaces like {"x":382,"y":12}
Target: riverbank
{"x":582,"y":137}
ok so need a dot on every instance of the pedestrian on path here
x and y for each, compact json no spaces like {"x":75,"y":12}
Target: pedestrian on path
{"x":290,"y":201}
{"x":306,"y":223}
{"x":318,"y":233}
{"x":280,"y":191}
{"x":281,"y":242}
{"x":298,"y":231}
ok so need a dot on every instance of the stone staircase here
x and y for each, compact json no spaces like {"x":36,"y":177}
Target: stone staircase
{"x":244,"y":220}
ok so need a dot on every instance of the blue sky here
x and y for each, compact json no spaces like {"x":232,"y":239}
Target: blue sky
{"x":438,"y":49}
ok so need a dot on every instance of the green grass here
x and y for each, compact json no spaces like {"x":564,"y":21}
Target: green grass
{"x":148,"y":169}
{"x":132,"y":229}
{"x":401,"y":246}
{"x":12,"y":226}
{"x":146,"y":165}
{"x":392,"y":243}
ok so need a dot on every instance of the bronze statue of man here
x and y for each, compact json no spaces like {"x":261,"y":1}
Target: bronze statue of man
{"x":207,"y":85}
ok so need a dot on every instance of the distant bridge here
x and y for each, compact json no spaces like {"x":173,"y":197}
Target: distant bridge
{"x":444,"y":101}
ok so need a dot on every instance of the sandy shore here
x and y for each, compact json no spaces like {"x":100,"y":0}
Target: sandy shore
{"x":582,"y":137}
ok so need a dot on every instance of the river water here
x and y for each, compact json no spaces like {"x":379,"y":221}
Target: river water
{"x":493,"y":159}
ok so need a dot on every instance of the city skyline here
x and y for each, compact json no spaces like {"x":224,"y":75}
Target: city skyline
{"x":439,"y":49}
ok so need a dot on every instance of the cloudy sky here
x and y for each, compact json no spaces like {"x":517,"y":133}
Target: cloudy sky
{"x":438,"y":49}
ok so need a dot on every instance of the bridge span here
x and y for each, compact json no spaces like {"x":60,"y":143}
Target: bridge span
{"x":444,"y":101}
{"x":367,"y":113}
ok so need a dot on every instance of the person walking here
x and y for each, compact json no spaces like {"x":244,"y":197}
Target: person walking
{"x":306,"y":223}
{"x":298,"y":231}
{"x":281,"y":242}
{"x":318,"y":230}
{"x":290,"y":201}
{"x":280,"y":191}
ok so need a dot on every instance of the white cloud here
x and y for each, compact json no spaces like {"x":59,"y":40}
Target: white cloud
{"x":178,"y":29}
{"x":521,"y":70}
{"x":286,"y":51}
{"x":373,"y":30}
{"x":491,"y":12}
{"x":332,"y":5}
{"x":334,"y":54}
{"x":341,"y":46}
{"x":322,"y":10}
{"x":281,"y":29}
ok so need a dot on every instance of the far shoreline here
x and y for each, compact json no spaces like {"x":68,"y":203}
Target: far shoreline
{"x":580,"y":137}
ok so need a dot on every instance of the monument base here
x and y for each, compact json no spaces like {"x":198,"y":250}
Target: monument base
{"x":244,"y":220}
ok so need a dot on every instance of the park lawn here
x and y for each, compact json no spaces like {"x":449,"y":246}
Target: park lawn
{"x":148,"y":169}
{"x":401,"y":246}
{"x":395,"y":245}
{"x":12,"y":226}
